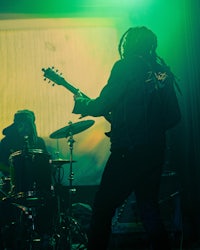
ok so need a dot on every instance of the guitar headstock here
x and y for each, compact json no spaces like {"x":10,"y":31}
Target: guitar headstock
{"x":53,"y":75}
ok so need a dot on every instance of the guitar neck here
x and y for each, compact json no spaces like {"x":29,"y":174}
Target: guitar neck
{"x":73,"y":89}
{"x":52,"y":75}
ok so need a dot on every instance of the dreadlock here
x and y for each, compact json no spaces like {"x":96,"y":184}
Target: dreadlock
{"x":141,"y":41}
{"x":138,"y":41}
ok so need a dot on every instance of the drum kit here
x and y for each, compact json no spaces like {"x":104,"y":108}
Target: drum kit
{"x":41,"y":220}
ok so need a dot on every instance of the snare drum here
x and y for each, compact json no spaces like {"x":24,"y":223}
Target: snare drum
{"x":30,"y":172}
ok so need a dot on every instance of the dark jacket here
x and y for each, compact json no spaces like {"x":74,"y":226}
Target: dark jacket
{"x":142,"y":102}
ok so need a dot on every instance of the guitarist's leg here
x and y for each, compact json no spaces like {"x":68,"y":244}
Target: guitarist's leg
{"x":113,"y":190}
{"x":147,"y":196}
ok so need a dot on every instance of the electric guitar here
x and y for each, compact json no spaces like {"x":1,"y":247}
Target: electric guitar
{"x":52,"y":75}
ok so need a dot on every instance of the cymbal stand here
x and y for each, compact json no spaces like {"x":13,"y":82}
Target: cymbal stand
{"x":72,"y":190}
{"x":64,"y":220}
{"x":59,"y":221}
{"x":74,"y":226}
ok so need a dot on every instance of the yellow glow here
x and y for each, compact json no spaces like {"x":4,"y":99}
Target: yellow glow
{"x":84,"y":50}
{"x":79,"y":48}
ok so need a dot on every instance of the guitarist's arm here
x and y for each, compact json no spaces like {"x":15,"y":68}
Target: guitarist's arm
{"x":109,"y":96}
{"x":80,"y":107}
{"x":53,"y":75}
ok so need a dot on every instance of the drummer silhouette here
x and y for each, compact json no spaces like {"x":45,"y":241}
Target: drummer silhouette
{"x":24,"y":161}
{"x":21,"y":131}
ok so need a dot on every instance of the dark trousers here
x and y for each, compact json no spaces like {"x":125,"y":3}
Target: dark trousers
{"x":140,"y":171}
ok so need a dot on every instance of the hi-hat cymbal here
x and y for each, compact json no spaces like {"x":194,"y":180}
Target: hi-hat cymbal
{"x":71,"y":129}
{"x":60,"y":161}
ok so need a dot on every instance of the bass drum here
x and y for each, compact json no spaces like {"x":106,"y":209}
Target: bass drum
{"x":30,"y":172}
{"x":29,"y":210}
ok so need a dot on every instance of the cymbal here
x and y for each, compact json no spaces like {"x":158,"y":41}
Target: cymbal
{"x":71,"y":129}
{"x":60,"y":161}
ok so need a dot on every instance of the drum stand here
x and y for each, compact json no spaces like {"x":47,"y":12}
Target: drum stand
{"x":26,"y":236}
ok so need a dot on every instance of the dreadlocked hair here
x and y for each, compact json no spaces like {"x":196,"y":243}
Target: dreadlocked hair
{"x":141,"y":41}
{"x":169,"y":72}
{"x":137,"y":41}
